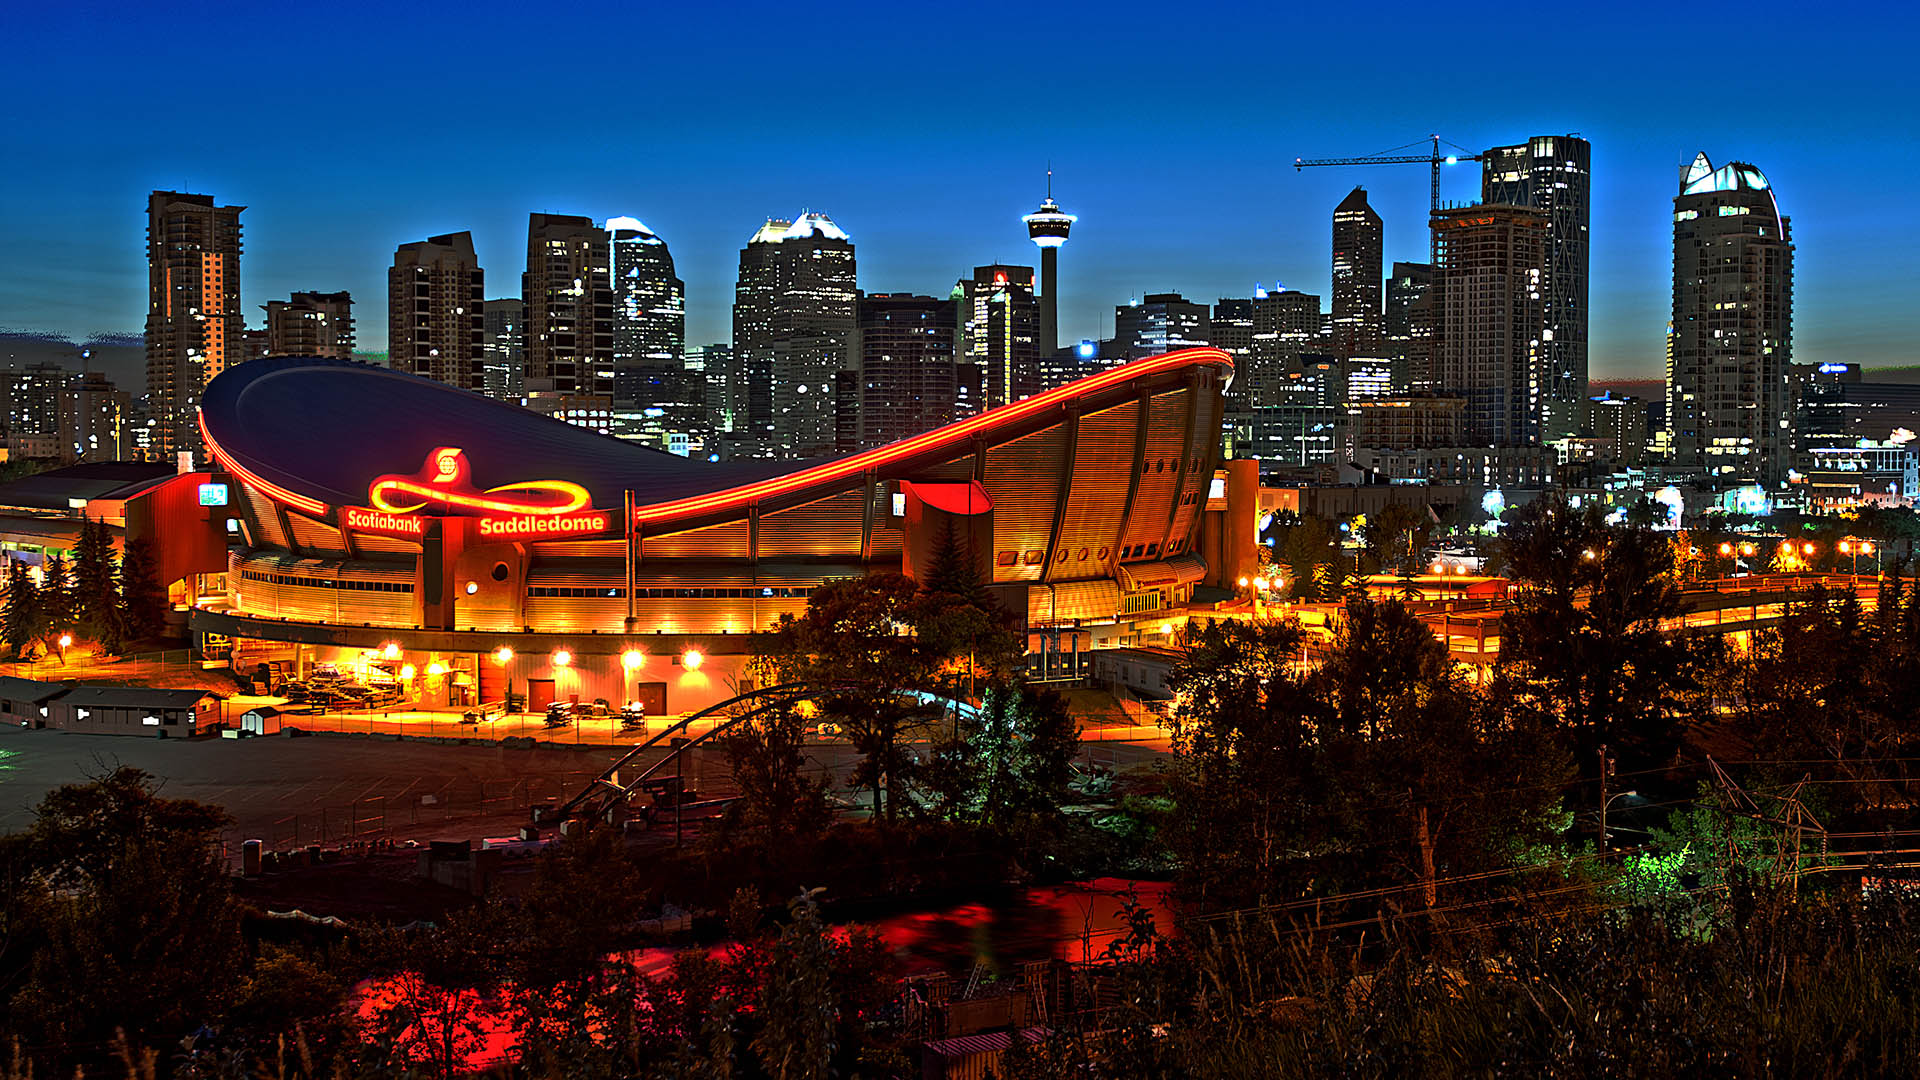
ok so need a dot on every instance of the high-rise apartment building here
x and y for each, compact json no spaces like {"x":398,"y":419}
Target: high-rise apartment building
{"x":436,"y":321}
{"x":1161,"y":323}
{"x":194,"y":319}
{"x":503,"y":361}
{"x":311,"y":324}
{"x":1000,"y":331}
{"x":1409,"y":322}
{"x":1730,"y":346}
{"x":1489,"y":291}
{"x":93,"y":419}
{"x":649,"y":305}
{"x":910,"y":379}
{"x":32,"y":398}
{"x":793,"y":333}
{"x":1552,"y":174}
{"x":1359,"y":242}
{"x":1622,"y":423}
{"x":568,"y":291}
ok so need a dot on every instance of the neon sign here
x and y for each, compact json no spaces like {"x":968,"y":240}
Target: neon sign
{"x":445,"y":479}
{"x":537,"y":526}
{"x":377,"y":521}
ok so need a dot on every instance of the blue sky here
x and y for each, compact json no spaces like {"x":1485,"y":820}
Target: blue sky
{"x":924,"y":131}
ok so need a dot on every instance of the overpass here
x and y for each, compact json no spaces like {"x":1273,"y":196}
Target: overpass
{"x":1471,"y":627}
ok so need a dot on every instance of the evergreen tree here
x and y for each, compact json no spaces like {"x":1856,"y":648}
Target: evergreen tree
{"x":951,"y":571}
{"x":96,"y":600}
{"x":57,"y":602}
{"x":142,"y":603}
{"x":20,"y":620}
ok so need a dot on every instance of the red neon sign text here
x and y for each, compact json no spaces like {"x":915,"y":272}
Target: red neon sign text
{"x":538,"y":526}
{"x":380,"y":522}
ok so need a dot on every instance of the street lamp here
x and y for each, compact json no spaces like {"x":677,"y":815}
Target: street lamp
{"x":65,"y":640}
{"x":1603,"y":815}
{"x":1854,"y":549}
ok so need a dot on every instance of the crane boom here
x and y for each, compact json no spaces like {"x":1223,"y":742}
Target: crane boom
{"x":1433,"y":160}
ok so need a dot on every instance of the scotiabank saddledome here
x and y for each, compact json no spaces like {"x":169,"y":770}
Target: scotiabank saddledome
{"x":389,"y":516}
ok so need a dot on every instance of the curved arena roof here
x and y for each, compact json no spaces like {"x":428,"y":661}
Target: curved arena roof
{"x":315,"y":432}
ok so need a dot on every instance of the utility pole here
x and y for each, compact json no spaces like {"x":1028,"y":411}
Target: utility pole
{"x":1606,"y":770}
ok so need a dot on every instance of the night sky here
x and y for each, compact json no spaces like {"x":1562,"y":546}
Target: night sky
{"x":924,"y":130}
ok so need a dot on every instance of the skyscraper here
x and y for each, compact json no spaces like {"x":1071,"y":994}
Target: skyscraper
{"x":1731,"y":341}
{"x":1358,"y":244}
{"x":1409,"y":322}
{"x":503,"y":358}
{"x":568,"y":291}
{"x":793,"y":331}
{"x":1048,"y":227}
{"x":311,"y":324}
{"x":650,"y":303}
{"x":1489,"y":293}
{"x":910,"y":377}
{"x":194,"y":320}
{"x":1161,"y":323}
{"x":999,"y":331}
{"x":1231,"y":329}
{"x":715,"y":363}
{"x":1553,"y":175}
{"x":1286,"y":324}
{"x":436,"y":324}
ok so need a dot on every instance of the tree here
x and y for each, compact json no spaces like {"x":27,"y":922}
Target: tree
{"x":57,"y":600}
{"x":798,"y":1009}
{"x":1241,"y":728}
{"x":96,"y":599}
{"x":853,"y":643}
{"x":958,"y":622}
{"x":778,"y":800}
{"x":1306,"y":548}
{"x":142,"y":599}
{"x":21,"y":622}
{"x":1010,"y":761}
{"x":1396,"y":537}
{"x":136,"y":927}
{"x":1583,"y":637}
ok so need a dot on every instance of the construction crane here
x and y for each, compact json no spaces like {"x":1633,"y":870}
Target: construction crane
{"x":1433,"y":160}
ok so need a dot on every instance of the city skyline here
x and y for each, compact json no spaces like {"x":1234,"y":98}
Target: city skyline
{"x":925,"y":207}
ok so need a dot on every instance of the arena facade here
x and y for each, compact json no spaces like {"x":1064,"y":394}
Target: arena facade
{"x":389,"y":521}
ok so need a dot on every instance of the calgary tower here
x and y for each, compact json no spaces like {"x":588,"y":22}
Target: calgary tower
{"x":1048,"y":228}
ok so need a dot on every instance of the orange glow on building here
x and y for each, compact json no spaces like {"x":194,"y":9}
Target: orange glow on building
{"x":952,"y":435}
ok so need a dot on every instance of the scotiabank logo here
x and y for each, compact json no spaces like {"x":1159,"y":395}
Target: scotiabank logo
{"x":535,"y":526}
{"x":381,"y":522}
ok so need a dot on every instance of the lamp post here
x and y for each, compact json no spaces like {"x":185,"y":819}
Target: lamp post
{"x":1603,"y":815}
{"x":1854,"y":549}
